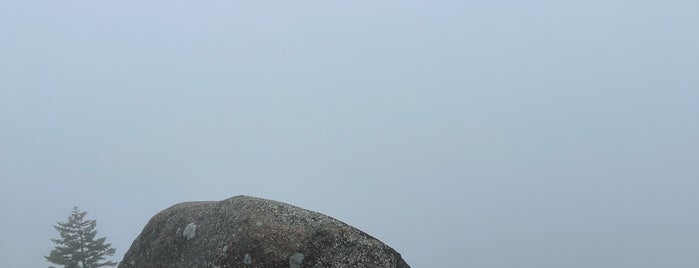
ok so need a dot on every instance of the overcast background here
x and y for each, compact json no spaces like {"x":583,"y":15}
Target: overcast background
{"x":461,"y":133}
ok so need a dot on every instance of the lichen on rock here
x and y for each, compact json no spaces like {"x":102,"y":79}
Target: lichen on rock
{"x":190,"y":231}
{"x":295,"y":260}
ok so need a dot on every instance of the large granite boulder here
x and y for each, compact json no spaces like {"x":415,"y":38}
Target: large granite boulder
{"x":246,"y":232}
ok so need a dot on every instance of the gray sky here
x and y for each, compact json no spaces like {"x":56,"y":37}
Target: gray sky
{"x":462,"y":133}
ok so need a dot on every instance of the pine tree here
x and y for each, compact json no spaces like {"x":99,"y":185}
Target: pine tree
{"x":78,"y":247}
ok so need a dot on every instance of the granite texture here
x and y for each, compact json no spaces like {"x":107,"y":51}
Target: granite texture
{"x":245,"y":231}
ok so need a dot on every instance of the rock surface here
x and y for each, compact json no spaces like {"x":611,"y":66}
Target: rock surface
{"x":245,"y":231}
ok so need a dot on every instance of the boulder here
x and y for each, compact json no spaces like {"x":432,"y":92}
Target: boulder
{"x":245,"y":231}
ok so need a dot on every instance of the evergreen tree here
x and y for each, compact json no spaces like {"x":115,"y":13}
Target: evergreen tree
{"x":78,"y":247}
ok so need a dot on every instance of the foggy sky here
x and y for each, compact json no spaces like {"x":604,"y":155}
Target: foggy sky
{"x":461,"y":133}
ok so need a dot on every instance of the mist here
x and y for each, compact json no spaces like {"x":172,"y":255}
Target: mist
{"x":461,"y":133}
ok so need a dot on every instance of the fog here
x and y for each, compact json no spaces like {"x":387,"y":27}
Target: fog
{"x":461,"y":133}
